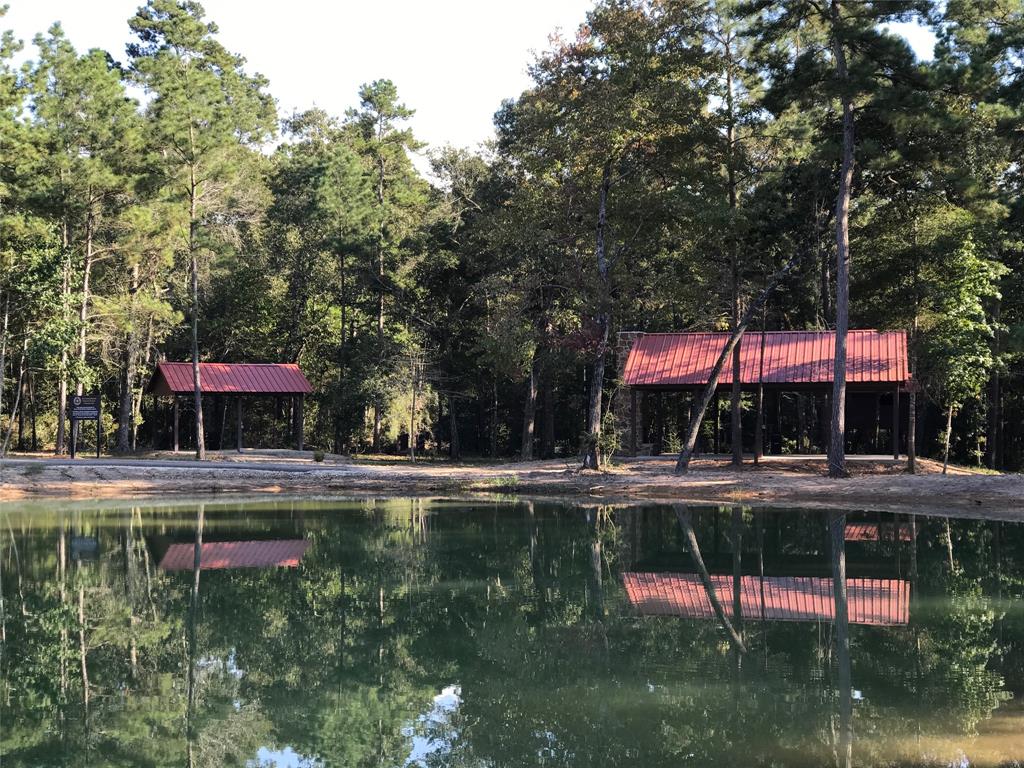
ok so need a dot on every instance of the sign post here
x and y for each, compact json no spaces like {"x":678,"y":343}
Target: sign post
{"x":84,"y":408}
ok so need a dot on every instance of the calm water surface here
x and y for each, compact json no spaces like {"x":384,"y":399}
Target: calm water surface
{"x":437,"y":633}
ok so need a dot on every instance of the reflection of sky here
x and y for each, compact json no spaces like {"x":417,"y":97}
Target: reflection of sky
{"x":282,"y":758}
{"x":431,"y":733}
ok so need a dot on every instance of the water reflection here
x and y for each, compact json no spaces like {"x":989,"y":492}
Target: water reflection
{"x":406,"y":632}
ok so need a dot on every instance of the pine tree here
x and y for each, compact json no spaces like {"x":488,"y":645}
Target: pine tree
{"x":205,"y":114}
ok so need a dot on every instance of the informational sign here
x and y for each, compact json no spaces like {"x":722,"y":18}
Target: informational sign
{"x":85,"y":548}
{"x":83,"y":408}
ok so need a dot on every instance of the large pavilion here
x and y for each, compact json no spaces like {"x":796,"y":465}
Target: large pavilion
{"x":775,"y":361}
{"x":235,"y":380}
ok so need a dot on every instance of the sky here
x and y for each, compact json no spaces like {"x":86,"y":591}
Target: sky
{"x":453,"y":61}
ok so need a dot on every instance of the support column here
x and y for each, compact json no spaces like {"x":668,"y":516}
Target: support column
{"x":238,"y":425}
{"x":633,"y":442}
{"x":759,"y":425}
{"x":300,"y":415}
{"x":177,"y":419}
{"x":896,"y":423}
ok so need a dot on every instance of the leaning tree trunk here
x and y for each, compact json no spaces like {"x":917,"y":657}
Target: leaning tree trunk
{"x":837,"y":432}
{"x":17,"y":401}
{"x":693,"y":428}
{"x":592,"y":451}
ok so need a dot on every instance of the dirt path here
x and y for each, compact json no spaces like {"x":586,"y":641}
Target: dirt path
{"x":874,"y":484}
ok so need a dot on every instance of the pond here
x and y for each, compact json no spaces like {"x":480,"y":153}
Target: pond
{"x":412,"y":632}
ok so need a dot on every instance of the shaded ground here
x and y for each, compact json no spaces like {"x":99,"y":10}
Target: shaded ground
{"x":875,"y":482}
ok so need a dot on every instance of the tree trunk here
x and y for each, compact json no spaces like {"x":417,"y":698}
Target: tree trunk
{"x":412,"y":414}
{"x":547,"y":440}
{"x":126,"y":395}
{"x":529,"y":411}
{"x":736,"y":399}
{"x":377,"y":405}
{"x":592,"y":457}
{"x":994,"y":419}
{"x":837,"y":431}
{"x":3,"y":349}
{"x":455,"y":450}
{"x":683,"y":462}
{"x":912,"y":431}
{"x":34,"y":442}
{"x":193,"y":250}
{"x":62,"y":386}
{"x":945,"y":440}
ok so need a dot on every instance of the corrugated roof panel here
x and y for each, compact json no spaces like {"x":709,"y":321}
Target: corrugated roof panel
{"x":883,"y":602}
{"x":233,"y":378}
{"x":213,"y":555}
{"x":791,"y":357}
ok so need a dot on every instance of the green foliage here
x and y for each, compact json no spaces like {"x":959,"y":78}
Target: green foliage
{"x":710,"y":131}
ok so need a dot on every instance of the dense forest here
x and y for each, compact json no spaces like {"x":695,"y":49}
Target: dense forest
{"x":669,"y":162}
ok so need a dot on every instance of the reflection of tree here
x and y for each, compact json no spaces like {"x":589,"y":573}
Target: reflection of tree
{"x":518,"y":606}
{"x":683,"y":516}
{"x":837,"y":535}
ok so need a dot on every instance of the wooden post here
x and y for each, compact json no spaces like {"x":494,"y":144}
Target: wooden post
{"x":300,"y":415}
{"x":238,"y":427}
{"x":896,"y":423}
{"x":176,"y":420}
{"x":633,"y":442}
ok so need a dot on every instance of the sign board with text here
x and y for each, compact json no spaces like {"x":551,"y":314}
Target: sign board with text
{"x":83,"y":408}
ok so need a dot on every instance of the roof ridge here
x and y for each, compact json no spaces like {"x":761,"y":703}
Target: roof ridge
{"x":726,"y":333}
{"x":211,"y":362}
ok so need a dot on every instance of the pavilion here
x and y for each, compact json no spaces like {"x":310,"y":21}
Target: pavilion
{"x":880,"y":602}
{"x":237,"y":380}
{"x":801,"y":361}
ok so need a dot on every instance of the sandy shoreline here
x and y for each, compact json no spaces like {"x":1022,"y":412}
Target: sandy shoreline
{"x":873,"y":485}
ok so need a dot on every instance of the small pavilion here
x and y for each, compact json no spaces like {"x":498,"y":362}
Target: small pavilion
{"x":776,"y":361}
{"x":236,"y":380}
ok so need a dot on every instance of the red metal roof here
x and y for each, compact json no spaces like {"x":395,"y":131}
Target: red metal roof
{"x":231,"y":378}
{"x":284,"y":553}
{"x":790,"y":357}
{"x":786,"y":598}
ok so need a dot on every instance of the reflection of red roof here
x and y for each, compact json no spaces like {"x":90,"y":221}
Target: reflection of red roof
{"x":231,"y":378}
{"x":790,"y":357}
{"x":786,"y":598}
{"x":284,"y":553}
{"x":875,"y":532}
